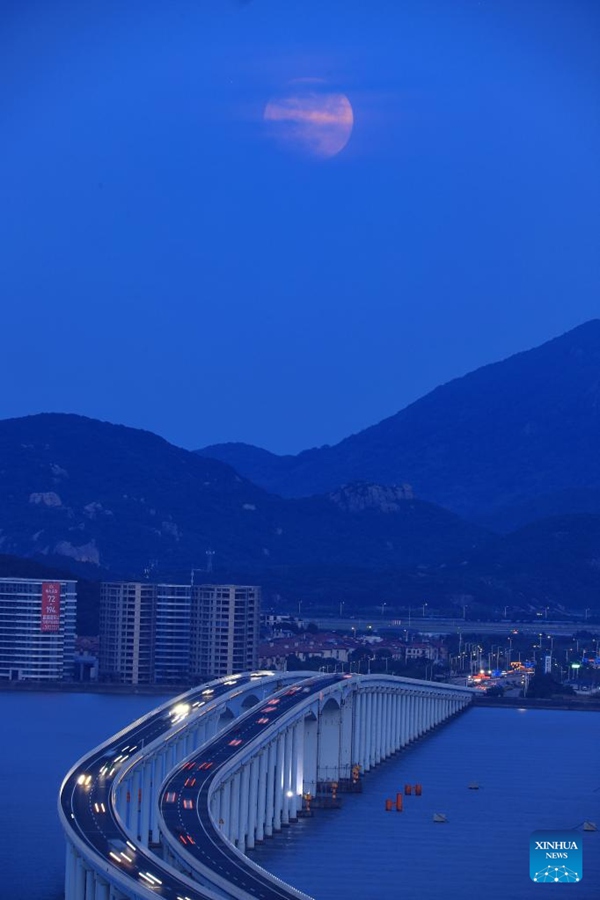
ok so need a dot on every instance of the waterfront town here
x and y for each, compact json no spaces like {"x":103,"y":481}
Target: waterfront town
{"x":179,"y":635}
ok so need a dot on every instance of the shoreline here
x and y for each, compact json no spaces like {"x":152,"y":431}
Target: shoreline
{"x":567,"y":703}
{"x":82,"y":687}
{"x":88,"y":687}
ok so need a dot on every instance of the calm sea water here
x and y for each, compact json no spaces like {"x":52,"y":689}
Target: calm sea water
{"x":537,"y":769}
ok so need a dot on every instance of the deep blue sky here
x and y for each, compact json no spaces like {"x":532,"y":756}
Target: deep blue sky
{"x":165,"y":265}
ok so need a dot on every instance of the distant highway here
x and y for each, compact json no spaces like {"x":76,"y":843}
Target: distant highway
{"x":431,"y":625}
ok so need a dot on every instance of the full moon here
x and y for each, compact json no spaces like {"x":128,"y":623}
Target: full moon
{"x":311,"y":119}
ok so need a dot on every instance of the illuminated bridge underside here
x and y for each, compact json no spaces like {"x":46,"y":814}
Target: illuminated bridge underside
{"x":169,"y":806}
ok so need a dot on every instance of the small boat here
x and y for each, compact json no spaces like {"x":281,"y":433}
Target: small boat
{"x":473,"y":785}
{"x":439,"y":817}
{"x":590,"y":826}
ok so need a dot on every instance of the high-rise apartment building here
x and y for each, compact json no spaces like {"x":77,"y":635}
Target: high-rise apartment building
{"x":37,"y":629}
{"x":127,"y":628}
{"x":172,"y":634}
{"x":225,"y":629}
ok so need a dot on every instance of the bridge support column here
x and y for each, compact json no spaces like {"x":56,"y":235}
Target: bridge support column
{"x":379,"y":725}
{"x":356,"y":760}
{"x":243,"y":814}
{"x":365,"y":731}
{"x":234,"y":808}
{"x":116,"y":894}
{"x":79,"y":879}
{"x":401,"y":720}
{"x":387,"y":725}
{"x":421,"y":715}
{"x":298,"y":775}
{"x":136,"y":802}
{"x":70,"y":870}
{"x":370,"y":730}
{"x":102,"y":889}
{"x":225,"y":817}
{"x":252,"y":803}
{"x":310,"y":740}
{"x":271,"y":774}
{"x":156,"y":764}
{"x":192,"y":742}
{"x":147,"y":803}
{"x":346,"y":735}
{"x":393,"y":722}
{"x":90,"y":885}
{"x":361,"y":713}
{"x":279,"y":780}
{"x":287,"y":776}
{"x":219,"y":806}
{"x":261,"y":800}
{"x":170,"y":756}
{"x":401,"y":714}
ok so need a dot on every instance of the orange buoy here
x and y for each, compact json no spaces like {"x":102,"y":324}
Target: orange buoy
{"x":398,"y":802}
{"x":418,"y":790}
{"x":407,"y":789}
{"x":388,"y":805}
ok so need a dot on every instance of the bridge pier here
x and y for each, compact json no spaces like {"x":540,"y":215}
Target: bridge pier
{"x":252,"y":802}
{"x":261,"y":799}
{"x":270,"y":810}
{"x":244,"y":807}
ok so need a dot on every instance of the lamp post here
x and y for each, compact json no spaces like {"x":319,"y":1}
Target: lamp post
{"x":424,"y":605}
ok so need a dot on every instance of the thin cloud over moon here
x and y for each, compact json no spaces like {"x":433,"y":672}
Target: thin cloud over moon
{"x":310,"y":118}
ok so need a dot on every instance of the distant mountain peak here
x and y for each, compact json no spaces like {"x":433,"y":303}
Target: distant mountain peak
{"x":500,"y":435}
{"x":360,"y":495}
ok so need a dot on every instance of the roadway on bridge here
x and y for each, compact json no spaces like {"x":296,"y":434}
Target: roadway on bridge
{"x":184,"y":800}
{"x":85,"y":795}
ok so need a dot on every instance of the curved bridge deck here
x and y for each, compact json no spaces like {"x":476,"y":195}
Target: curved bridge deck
{"x":169,"y":806}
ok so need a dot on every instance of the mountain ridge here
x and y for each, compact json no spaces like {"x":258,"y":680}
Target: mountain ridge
{"x":119,"y":499}
{"x":497,"y":436}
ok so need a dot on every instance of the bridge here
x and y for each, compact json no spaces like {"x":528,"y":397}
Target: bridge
{"x":169,"y":806}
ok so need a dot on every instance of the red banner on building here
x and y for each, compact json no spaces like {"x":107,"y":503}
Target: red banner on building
{"x":50,"y":606}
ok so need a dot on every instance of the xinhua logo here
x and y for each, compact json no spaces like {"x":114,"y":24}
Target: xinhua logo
{"x":555,"y":857}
